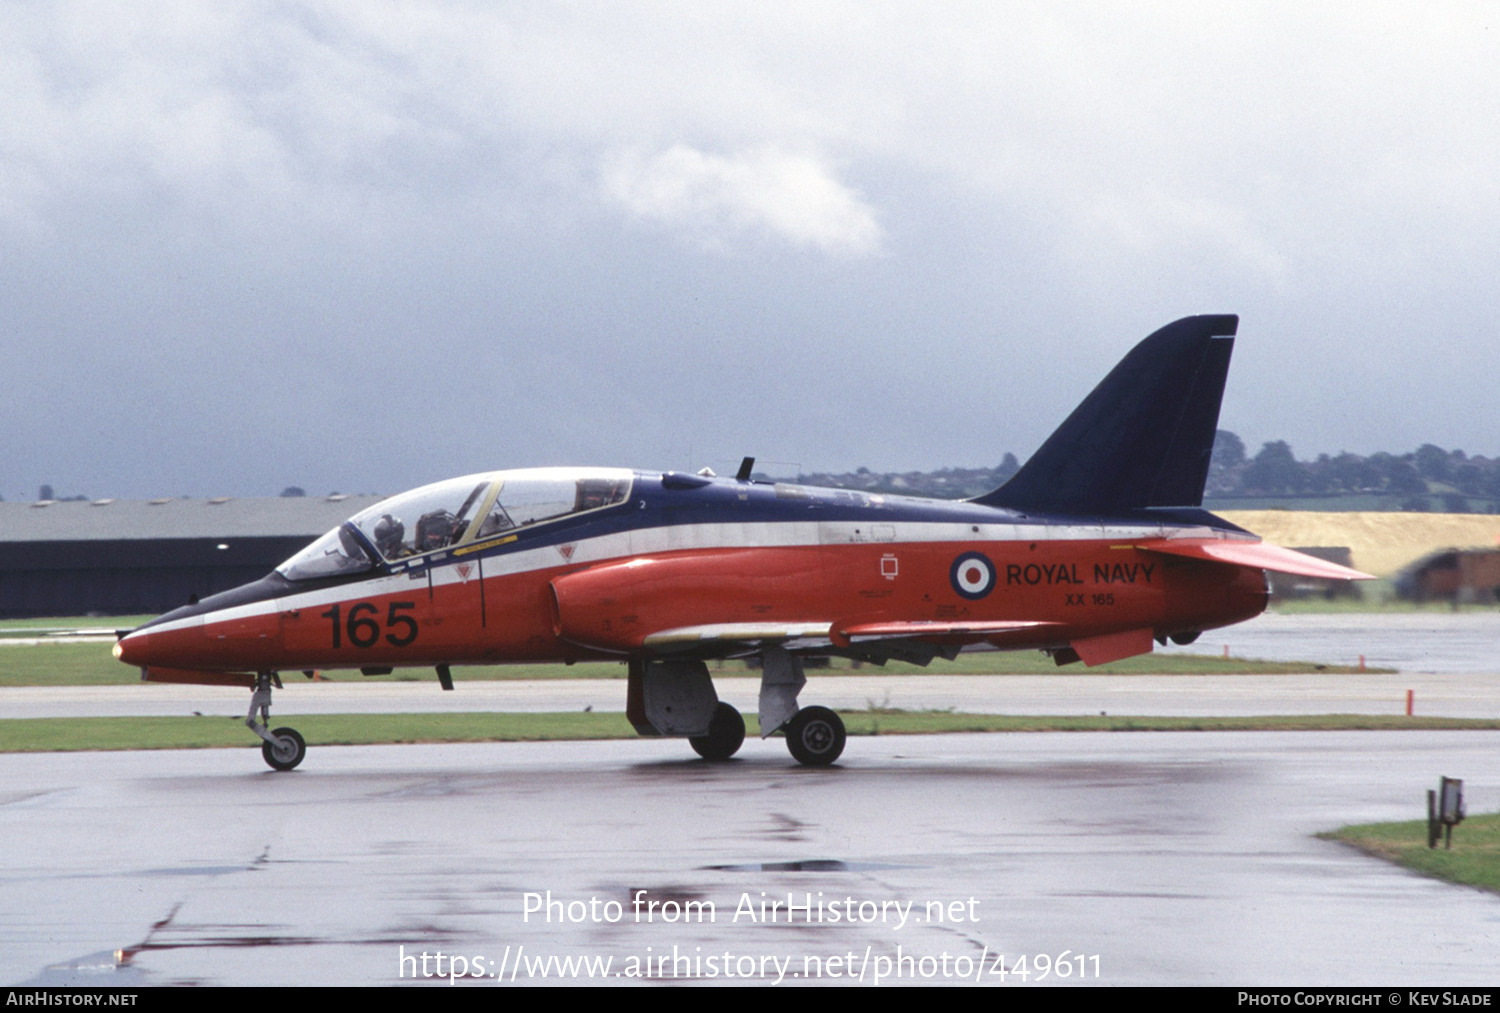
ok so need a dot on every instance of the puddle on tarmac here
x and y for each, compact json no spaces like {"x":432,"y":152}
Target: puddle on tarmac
{"x":809,"y":865}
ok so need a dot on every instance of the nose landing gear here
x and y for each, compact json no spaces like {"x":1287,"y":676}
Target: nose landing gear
{"x":283,"y":748}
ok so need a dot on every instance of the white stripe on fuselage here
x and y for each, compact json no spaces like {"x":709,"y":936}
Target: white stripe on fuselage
{"x":622,"y":545}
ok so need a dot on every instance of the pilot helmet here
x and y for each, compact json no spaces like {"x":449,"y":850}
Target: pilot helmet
{"x":388,"y":534}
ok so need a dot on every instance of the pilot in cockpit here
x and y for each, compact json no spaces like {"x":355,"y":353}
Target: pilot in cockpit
{"x":437,"y":530}
{"x":388,"y":535}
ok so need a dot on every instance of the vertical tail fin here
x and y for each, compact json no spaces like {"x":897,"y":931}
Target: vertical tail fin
{"x":1143,"y":437}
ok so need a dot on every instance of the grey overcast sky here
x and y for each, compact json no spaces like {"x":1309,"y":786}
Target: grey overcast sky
{"x":360,"y":247}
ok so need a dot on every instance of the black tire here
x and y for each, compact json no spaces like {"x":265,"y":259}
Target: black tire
{"x":815,"y":736}
{"x":726,"y":733}
{"x":287,"y":751}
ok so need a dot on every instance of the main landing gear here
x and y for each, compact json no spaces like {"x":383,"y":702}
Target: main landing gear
{"x":675,"y":697}
{"x":283,"y":748}
{"x":726,"y":733}
{"x":815,"y":736}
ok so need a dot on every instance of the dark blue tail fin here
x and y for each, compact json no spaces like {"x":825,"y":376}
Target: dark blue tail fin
{"x":1143,"y":437}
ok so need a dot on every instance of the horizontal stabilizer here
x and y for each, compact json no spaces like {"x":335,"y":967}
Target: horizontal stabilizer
{"x":1258,"y":554}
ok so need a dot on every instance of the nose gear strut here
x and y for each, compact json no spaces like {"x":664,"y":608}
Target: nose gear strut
{"x":283,"y":748}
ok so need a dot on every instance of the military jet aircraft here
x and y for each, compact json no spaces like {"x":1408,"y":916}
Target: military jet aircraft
{"x":1094,"y":550}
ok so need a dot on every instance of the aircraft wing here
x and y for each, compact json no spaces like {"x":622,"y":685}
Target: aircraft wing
{"x":931,"y":632}
{"x":839,"y":633}
{"x":1258,"y":554}
{"x":790,"y":635}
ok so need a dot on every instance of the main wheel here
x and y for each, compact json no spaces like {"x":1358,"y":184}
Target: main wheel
{"x":815,"y":735}
{"x":286,"y":750}
{"x":726,"y":733}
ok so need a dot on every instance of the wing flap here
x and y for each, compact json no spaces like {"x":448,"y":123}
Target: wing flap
{"x":1113,"y":646}
{"x":931,"y":631}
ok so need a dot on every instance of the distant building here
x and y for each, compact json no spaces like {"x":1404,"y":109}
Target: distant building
{"x":1461,"y":576}
{"x":123,"y":557}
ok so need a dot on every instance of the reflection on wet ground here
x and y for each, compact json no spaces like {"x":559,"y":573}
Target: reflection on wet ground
{"x":1177,"y":858}
{"x":810,"y":865}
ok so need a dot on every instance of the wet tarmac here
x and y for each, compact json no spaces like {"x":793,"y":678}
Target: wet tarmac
{"x":1124,"y":858}
{"x":1409,"y":642}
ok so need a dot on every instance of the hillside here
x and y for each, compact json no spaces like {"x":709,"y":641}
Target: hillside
{"x":1381,"y":543}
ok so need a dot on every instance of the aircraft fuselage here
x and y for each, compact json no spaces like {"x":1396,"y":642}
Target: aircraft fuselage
{"x":717,"y":555}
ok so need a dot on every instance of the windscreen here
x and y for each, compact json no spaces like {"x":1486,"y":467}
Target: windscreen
{"x":424,"y":520}
{"x":459,"y":510}
{"x":336,"y":554}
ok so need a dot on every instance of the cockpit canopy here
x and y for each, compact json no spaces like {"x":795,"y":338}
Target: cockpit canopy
{"x":472,"y":509}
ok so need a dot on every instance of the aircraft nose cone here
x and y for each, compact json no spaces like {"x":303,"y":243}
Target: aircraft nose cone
{"x":132,"y":649}
{"x":158,"y":648}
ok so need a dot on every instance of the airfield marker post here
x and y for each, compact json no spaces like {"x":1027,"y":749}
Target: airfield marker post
{"x":1445,"y":810}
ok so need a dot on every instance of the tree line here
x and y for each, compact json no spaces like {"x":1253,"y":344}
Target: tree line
{"x":1428,"y":478}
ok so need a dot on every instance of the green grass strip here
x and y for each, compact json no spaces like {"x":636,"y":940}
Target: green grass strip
{"x":1473,"y":861}
{"x":73,"y":734}
{"x":63,"y":664}
{"x":20,"y":627}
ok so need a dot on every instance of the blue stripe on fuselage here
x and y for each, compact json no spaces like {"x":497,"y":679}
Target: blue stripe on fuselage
{"x":719,"y":501}
{"x":731,"y":501}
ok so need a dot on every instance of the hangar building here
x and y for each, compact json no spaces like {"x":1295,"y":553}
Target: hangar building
{"x":1460,"y":576}
{"x":125,"y":557}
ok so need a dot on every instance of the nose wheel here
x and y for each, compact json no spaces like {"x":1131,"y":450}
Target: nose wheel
{"x":283,"y":748}
{"x":815,"y":736}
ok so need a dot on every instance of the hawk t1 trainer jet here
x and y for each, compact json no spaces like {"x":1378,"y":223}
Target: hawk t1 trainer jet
{"x":1094,"y":550}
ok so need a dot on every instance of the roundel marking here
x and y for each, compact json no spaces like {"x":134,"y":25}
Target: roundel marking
{"x":972,"y":575}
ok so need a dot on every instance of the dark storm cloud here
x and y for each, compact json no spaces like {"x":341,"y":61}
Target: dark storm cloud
{"x":255,"y":245}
